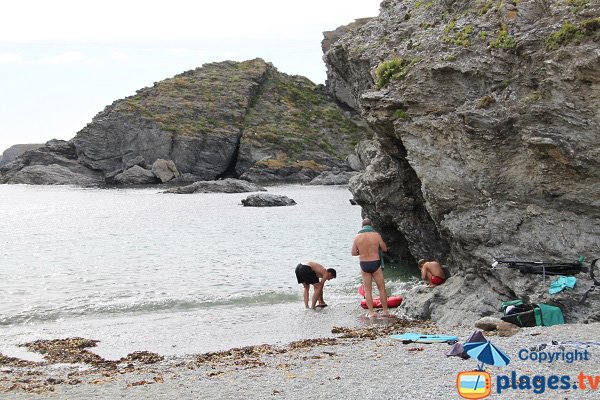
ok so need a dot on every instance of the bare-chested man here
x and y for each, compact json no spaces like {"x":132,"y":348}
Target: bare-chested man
{"x":432,"y":273}
{"x":312,"y":273}
{"x":366,"y":246}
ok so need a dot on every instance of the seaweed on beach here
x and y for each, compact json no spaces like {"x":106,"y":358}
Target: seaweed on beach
{"x":248,"y":355}
{"x":307,"y":343}
{"x":6,"y":361}
{"x":373,"y":332}
{"x":144,"y":357}
{"x":70,"y":350}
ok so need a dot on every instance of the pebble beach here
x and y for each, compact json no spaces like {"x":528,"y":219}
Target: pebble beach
{"x":354,"y":363}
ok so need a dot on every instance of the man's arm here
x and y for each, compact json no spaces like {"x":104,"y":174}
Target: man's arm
{"x":354,"y":248}
{"x":424,"y":271}
{"x":382,"y":244}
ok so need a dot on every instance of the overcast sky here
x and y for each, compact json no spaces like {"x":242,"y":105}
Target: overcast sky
{"x":63,"y":61}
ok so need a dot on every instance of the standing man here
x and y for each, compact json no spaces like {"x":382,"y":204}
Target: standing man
{"x":367,"y":245}
{"x":312,"y":273}
{"x":432,"y":273}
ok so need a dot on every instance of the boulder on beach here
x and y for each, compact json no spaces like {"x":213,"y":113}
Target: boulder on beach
{"x":136,"y":175}
{"x":165,"y":170}
{"x":267,"y":200}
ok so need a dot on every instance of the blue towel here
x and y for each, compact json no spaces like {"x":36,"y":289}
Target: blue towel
{"x":562,"y":282}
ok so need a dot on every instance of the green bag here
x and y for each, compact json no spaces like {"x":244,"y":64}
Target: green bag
{"x":548,"y":315}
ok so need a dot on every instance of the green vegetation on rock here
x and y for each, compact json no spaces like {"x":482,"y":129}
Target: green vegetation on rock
{"x":394,"y":69}
{"x":294,"y":121}
{"x":568,"y":33}
{"x":460,"y":38}
{"x":401,"y":114}
{"x":503,"y":40}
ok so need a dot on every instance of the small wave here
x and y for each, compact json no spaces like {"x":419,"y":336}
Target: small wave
{"x":148,"y":306}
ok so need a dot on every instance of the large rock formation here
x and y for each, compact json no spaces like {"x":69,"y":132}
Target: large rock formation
{"x":9,"y":155}
{"x":227,"y":119}
{"x":55,"y":163}
{"x":487,"y":142}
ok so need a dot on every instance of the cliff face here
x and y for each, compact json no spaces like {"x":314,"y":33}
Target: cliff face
{"x":487,"y":141}
{"x":227,"y":119}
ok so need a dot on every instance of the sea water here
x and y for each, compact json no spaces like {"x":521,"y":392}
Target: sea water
{"x":175,"y":274}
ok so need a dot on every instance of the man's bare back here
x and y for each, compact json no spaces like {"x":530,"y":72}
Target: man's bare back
{"x":366,"y":246}
{"x":432,"y":272}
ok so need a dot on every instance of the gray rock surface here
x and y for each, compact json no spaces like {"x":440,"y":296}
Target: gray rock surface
{"x":488,"y":132}
{"x":333,"y":178}
{"x":221,"y":186}
{"x":11,"y":154}
{"x":228,"y":119}
{"x":267,"y":200}
{"x":53,"y":164}
{"x":136,"y":175}
{"x":487,"y":323}
{"x":165,"y":170}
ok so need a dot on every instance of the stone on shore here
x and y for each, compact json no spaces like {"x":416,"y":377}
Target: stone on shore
{"x":165,"y":170}
{"x":267,"y":200}
{"x":223,"y":186}
{"x":136,"y":175}
{"x":488,"y":323}
{"x":506,"y":329}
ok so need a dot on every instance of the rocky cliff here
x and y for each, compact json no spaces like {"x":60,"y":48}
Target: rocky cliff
{"x":487,"y":142}
{"x":227,"y":119}
{"x":9,"y":155}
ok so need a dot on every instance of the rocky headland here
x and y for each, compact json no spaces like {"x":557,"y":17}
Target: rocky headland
{"x":487,"y":143}
{"x":9,"y":155}
{"x":229,"y":119}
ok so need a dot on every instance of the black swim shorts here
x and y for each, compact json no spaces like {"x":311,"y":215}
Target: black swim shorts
{"x":305,"y":274}
{"x":370,"y":266}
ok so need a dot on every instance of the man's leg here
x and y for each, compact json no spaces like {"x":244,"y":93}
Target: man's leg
{"x":306,"y":287}
{"x":378,"y":276}
{"x":368,"y":286}
{"x":317,"y":293}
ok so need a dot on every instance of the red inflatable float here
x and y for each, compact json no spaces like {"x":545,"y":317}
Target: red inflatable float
{"x":392,"y":301}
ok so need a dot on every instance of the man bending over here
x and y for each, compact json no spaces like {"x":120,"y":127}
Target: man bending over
{"x":312,"y":273}
{"x":432,"y":273}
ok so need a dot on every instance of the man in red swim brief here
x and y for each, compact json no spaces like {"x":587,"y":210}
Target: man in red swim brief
{"x":432,"y":273}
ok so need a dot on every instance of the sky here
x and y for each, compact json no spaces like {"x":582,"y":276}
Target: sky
{"x":63,"y":61}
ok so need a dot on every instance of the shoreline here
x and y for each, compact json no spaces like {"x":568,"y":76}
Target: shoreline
{"x":355,"y":363}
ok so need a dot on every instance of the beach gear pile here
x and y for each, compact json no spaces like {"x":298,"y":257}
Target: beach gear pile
{"x":522,"y":314}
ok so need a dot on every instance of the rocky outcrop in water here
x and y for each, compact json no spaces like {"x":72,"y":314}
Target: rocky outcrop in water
{"x":487,"y":142}
{"x":55,"y":163}
{"x":267,"y":200}
{"x":9,"y":155}
{"x":228,"y":119}
{"x":228,"y":185}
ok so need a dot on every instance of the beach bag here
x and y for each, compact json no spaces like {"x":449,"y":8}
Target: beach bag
{"x":526,"y":315}
{"x":522,"y":319}
{"x":548,"y":315}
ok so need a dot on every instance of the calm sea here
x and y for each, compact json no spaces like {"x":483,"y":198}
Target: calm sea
{"x":174,"y":274}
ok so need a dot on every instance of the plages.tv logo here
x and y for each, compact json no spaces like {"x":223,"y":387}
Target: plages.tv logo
{"x":474,"y":384}
{"x":478,"y":384}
